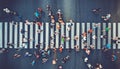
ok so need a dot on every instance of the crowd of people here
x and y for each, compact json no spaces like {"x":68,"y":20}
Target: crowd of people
{"x":47,"y":51}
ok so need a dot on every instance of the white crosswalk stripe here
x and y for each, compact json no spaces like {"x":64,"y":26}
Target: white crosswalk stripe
{"x":47,"y":35}
{"x":1,"y":35}
{"x":104,"y":33}
{"x":83,"y":30}
{"x":114,"y":34}
{"x":36,"y":34}
{"x":20,"y":35}
{"x":5,"y":41}
{"x":41,"y":36}
{"x":26,"y":35}
{"x":15,"y":36}
{"x":10,"y":32}
{"x":72,"y":35}
{"x":109,"y":34}
{"x":98,"y":37}
{"x":93,"y":40}
{"x":77,"y":33}
{"x":31,"y":36}
{"x":57,"y":37}
{"x":62,"y":33}
{"x":67,"y":35}
{"x":52,"y":35}
{"x":88,"y":35}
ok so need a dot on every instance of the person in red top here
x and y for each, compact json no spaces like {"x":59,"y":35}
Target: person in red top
{"x":90,"y":31}
{"x":60,"y":49}
{"x":40,"y":10}
{"x":39,"y":23}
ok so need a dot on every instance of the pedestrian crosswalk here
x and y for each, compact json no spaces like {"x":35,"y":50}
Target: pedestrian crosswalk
{"x":52,"y":34}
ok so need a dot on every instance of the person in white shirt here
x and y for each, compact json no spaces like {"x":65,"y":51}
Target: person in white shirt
{"x":107,"y":17}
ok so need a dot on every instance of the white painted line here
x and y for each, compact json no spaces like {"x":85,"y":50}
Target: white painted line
{"x":109,"y":34}
{"x":114,"y":34}
{"x":26,"y":35}
{"x":104,"y":33}
{"x":67,"y":35}
{"x":47,"y":35}
{"x":5,"y":41}
{"x":1,"y":34}
{"x":62,"y":33}
{"x":31,"y":36}
{"x":72,"y":36}
{"x":98,"y":37}
{"x":77,"y":33}
{"x":57,"y":37}
{"x":83,"y":30}
{"x":119,"y":34}
{"x":93,"y":40}
{"x":15,"y":36}
{"x":20,"y":35}
{"x":52,"y":35}
{"x":42,"y":35}
{"x":88,"y":35}
{"x":36,"y":35}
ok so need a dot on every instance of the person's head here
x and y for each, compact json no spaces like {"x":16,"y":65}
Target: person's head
{"x":60,"y":67}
